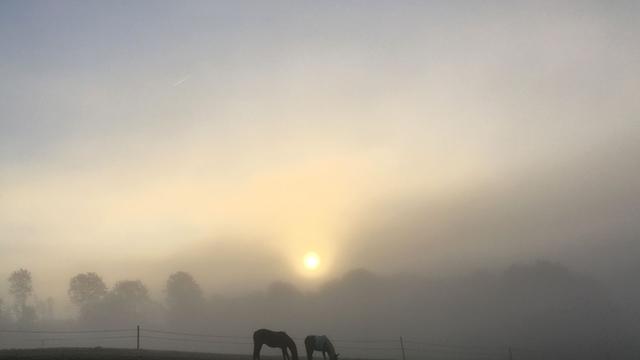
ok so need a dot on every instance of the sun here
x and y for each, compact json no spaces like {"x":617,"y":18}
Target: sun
{"x":311,"y":260}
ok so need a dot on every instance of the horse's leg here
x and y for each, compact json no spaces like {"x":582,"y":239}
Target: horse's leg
{"x":324,"y":355}
{"x":256,"y":350}
{"x":285,"y":355}
{"x":309,"y":353}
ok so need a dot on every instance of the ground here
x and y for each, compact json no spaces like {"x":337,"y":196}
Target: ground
{"x":115,"y":354}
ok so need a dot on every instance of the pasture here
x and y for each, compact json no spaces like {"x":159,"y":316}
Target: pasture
{"x":118,"y":354}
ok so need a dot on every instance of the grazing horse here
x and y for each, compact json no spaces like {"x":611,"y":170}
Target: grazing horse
{"x":274,"y":339}
{"x":320,"y":343}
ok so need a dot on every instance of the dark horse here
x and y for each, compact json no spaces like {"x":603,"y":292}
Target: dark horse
{"x":274,"y":339}
{"x":320,"y":343}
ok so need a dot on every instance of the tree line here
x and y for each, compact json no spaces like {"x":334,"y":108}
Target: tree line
{"x":127,"y":301}
{"x":540,"y":305}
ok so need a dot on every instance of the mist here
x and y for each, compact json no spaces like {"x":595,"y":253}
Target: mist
{"x":536,"y":310}
{"x":465,"y":176}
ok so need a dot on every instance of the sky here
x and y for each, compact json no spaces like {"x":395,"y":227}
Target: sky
{"x":229,"y":139}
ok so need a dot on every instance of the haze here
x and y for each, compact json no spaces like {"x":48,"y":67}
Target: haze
{"x":426,"y":144}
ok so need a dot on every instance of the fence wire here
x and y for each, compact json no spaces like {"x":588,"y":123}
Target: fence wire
{"x":152,"y":338}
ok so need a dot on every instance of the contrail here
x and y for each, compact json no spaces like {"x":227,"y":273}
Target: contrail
{"x":181,"y":80}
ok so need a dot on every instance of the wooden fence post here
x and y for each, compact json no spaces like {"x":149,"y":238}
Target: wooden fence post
{"x":402,"y":348}
{"x":138,"y":339}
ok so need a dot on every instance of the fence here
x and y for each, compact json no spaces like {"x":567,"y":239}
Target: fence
{"x":159,"y":339}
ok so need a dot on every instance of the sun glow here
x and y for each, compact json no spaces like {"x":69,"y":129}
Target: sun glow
{"x":311,"y":260}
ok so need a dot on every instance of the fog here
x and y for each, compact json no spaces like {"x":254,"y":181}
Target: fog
{"x":548,"y":272}
{"x":538,"y":309}
{"x":466,"y":174}
{"x":569,"y":212}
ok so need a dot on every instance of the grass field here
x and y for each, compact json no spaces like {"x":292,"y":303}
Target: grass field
{"x":116,"y":354}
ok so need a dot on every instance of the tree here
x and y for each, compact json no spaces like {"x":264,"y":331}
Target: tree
{"x":3,"y":316}
{"x":86,"y":288}
{"x":125,"y":304}
{"x":129,"y":296}
{"x":44,"y":308}
{"x":184,"y":298}
{"x":183,"y":291}
{"x":21,"y":288}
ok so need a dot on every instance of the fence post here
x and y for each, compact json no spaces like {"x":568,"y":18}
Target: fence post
{"x":138,"y":339}
{"x":402,"y":348}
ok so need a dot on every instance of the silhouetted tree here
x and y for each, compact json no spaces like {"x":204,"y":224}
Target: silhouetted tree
{"x":45,"y":308}
{"x":86,"y":288}
{"x":127,"y":300}
{"x":184,"y":299}
{"x":3,"y":314}
{"x":183,"y":290}
{"x":127,"y":303}
{"x":131,"y":293}
{"x":20,"y":285}
{"x":21,"y":288}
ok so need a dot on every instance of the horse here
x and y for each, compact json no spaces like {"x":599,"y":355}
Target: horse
{"x":274,"y":339}
{"x":320,"y":343}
